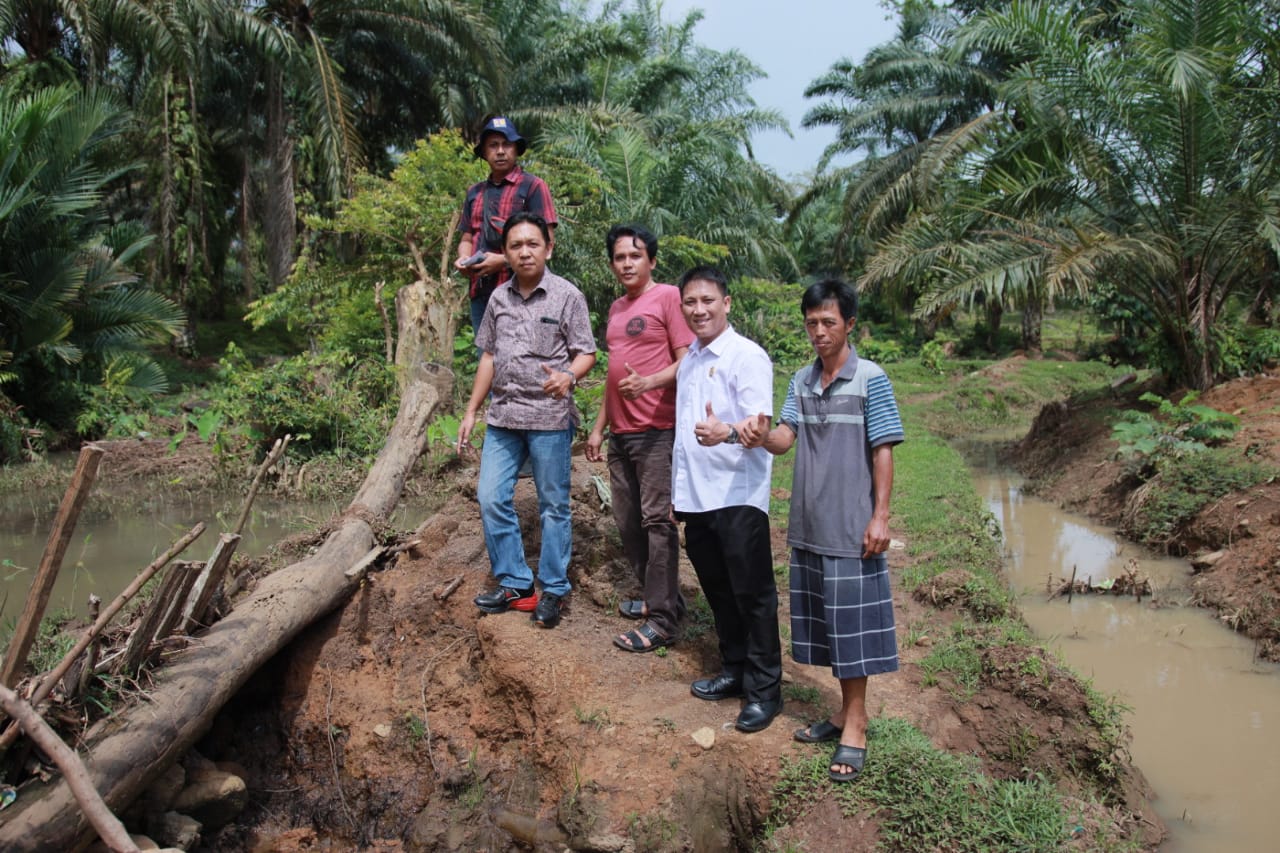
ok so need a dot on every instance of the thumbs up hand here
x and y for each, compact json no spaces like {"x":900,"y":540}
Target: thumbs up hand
{"x":711,"y":431}
{"x":633,"y":384}
{"x":558,"y":382}
{"x":752,"y":432}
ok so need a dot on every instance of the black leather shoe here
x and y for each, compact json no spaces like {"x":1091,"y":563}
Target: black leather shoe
{"x":502,"y":599}
{"x":756,"y":716}
{"x":547,"y":613}
{"x":723,"y":686}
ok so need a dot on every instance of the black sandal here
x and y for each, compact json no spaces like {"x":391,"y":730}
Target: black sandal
{"x":634,"y":641}
{"x":632,"y":608}
{"x":849,"y":756}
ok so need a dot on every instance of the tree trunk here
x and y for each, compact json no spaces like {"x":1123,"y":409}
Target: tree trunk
{"x":130,"y":750}
{"x":1032,"y":320}
{"x":426,"y":324}
{"x":280,"y":224}
{"x":995,"y":312}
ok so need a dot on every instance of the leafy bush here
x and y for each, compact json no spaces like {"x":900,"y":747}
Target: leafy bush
{"x":1184,"y":485}
{"x":1246,"y":351}
{"x":332,"y":400}
{"x":880,"y":350}
{"x":769,"y":314}
{"x":1172,"y":431}
{"x":122,"y":405}
{"x":933,"y":356}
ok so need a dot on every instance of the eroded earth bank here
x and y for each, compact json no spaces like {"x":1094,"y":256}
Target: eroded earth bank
{"x":405,"y":721}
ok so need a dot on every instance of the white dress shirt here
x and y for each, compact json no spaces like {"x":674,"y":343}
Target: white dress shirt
{"x":735,"y":375}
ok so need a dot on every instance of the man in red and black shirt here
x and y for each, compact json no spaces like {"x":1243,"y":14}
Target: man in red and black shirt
{"x":508,"y":189}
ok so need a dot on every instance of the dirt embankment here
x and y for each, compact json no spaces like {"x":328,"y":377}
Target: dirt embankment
{"x":406,"y":722}
{"x":1070,"y":458}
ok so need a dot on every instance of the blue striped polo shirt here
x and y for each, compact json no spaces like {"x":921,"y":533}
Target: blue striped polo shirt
{"x":837,"y":427}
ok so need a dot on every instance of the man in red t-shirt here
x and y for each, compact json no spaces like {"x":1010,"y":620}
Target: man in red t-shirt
{"x":646,"y":337}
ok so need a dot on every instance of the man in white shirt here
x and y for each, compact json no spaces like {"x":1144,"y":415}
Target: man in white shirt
{"x":720,"y":490}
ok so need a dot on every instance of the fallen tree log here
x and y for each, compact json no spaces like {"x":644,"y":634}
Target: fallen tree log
{"x":132,"y":748}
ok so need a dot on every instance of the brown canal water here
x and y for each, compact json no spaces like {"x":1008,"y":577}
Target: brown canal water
{"x":1205,"y":712}
{"x":111,"y":545}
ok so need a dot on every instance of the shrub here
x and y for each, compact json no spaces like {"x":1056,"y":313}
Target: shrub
{"x":333,"y":400}
{"x":933,"y":356}
{"x":769,"y":314}
{"x":1172,"y":431}
{"x":880,"y":350}
{"x":1183,"y":486}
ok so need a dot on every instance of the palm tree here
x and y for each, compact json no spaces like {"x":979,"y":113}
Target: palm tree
{"x":1145,"y":163}
{"x":886,"y":112}
{"x":306,"y":86}
{"x":670,"y":130}
{"x":70,"y":303}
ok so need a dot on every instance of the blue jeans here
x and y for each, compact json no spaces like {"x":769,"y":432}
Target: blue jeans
{"x":478,"y":307}
{"x":504,"y":451}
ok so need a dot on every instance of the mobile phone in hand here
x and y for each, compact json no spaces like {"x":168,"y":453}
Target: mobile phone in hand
{"x":474,"y":259}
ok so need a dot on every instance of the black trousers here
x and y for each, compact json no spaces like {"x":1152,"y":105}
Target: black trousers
{"x":730,"y":552}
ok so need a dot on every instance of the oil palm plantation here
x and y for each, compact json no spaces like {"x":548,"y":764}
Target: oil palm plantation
{"x":669,"y":126}
{"x":886,"y":111}
{"x":308,"y":93}
{"x":1136,"y":152}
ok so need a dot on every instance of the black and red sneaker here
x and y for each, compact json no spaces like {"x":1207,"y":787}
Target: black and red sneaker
{"x":505,"y":598}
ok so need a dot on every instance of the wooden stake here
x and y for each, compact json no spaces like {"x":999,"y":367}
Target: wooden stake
{"x":91,"y":657}
{"x":277,"y":450}
{"x":28,"y":626}
{"x":195,"y":614}
{"x":139,"y":645}
{"x":359,"y":570}
{"x":1072,"y":588}
{"x":47,"y":683}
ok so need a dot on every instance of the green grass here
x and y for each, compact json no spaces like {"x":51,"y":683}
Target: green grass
{"x":51,"y":643}
{"x":966,"y":398}
{"x":597,"y":718}
{"x":802,"y":693}
{"x":946,"y":524}
{"x":699,"y":620}
{"x":927,"y":799}
{"x":1185,"y":485}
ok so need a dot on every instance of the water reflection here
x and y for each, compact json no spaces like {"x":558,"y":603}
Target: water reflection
{"x":1205,"y":714}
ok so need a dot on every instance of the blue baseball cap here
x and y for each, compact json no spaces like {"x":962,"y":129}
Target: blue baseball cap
{"x":504,"y":126}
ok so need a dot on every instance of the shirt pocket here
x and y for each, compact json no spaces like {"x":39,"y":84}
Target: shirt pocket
{"x":547,"y":341}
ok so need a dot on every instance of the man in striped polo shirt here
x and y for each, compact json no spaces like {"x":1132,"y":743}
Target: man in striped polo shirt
{"x":841,"y":416}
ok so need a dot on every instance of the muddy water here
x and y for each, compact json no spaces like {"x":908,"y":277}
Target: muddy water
{"x":111,"y":545}
{"x":1205,"y":713}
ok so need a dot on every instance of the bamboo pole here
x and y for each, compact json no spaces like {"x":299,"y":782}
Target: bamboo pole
{"x":28,"y":626}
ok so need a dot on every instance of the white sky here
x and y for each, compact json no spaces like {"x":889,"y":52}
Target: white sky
{"x":794,"y":42}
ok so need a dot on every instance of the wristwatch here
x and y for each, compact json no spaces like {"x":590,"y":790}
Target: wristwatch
{"x":733,"y":435}
{"x":573,"y":379}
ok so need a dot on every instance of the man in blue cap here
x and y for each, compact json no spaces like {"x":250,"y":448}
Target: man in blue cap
{"x":508,"y":190}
